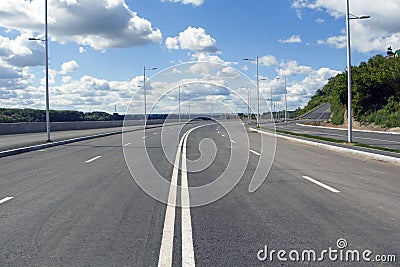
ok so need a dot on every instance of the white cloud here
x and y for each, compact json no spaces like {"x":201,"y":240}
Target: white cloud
{"x":292,"y":68}
{"x":299,"y":90}
{"x":172,"y":43}
{"x":69,"y":66}
{"x":268,"y":61}
{"x":21,"y":52}
{"x":206,"y":57}
{"x":186,"y":2}
{"x":82,"y":50}
{"x":84,"y":22}
{"x":194,"y":39}
{"x":291,"y":40}
{"x":374,"y":34}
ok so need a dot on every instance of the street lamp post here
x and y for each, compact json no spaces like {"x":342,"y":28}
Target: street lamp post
{"x":285,"y":101}
{"x":248,"y":104}
{"x":189,"y":107}
{"x":145,"y":93}
{"x":258,"y":90}
{"x":349,"y":79}
{"x":179,"y":102}
{"x":46,"y":41}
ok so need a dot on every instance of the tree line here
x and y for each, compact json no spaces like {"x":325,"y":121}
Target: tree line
{"x":376,"y":93}
{"x":12,"y":115}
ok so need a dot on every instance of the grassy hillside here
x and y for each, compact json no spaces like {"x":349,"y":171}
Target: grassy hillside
{"x":376,"y":93}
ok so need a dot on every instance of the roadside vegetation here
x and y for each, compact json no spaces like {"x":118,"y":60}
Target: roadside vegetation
{"x":376,"y":93}
{"x":11,"y":115}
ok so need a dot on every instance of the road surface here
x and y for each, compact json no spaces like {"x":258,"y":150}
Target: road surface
{"x":78,"y":205}
{"x":391,"y":141}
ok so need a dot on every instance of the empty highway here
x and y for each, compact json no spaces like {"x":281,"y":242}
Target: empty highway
{"x":78,"y":204}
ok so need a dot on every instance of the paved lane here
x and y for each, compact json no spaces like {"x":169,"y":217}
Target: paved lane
{"x":370,"y":138}
{"x":77,"y":205}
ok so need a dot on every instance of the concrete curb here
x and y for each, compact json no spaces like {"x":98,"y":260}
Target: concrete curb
{"x":353,"y":152}
{"x":341,"y":129}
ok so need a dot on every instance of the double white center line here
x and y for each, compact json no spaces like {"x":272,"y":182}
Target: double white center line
{"x":166,"y":250}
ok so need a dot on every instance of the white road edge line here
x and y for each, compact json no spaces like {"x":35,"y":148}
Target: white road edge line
{"x":93,"y":159}
{"x":4,"y":200}
{"x":321,"y":184}
{"x":255,"y":153}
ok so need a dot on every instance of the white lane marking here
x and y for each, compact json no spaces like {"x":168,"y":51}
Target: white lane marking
{"x":5,"y":199}
{"x":187,"y":235}
{"x":255,"y":153}
{"x":93,"y":159}
{"x":128,"y":144}
{"x":233,"y":141}
{"x":321,"y":184}
{"x":167,"y":241}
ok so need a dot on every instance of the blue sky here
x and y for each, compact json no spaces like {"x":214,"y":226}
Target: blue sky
{"x":98,"y":47}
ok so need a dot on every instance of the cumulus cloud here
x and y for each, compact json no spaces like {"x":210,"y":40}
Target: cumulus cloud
{"x":194,"y":39}
{"x":187,"y":2}
{"x":291,"y":40}
{"x":69,"y":66}
{"x":100,"y":24}
{"x":374,"y":34}
{"x":292,"y":68}
{"x":21,"y":52}
{"x":268,"y":61}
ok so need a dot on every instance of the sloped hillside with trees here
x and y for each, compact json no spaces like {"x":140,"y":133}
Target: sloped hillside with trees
{"x":376,"y":93}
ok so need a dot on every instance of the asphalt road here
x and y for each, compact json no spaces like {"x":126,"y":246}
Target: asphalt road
{"x":78,"y":205}
{"x":370,"y":138}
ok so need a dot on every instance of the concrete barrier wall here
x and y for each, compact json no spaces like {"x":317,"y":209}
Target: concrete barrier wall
{"x":36,"y":127}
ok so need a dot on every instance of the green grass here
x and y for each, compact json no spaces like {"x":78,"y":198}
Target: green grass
{"x":334,"y":140}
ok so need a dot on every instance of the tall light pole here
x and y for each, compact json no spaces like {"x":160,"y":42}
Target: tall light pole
{"x":179,"y":102}
{"x":189,"y":107}
{"x":248,"y":104}
{"x":145,"y":93}
{"x":258,"y":90}
{"x":349,"y":80}
{"x":46,"y":41}
{"x":285,"y":100}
